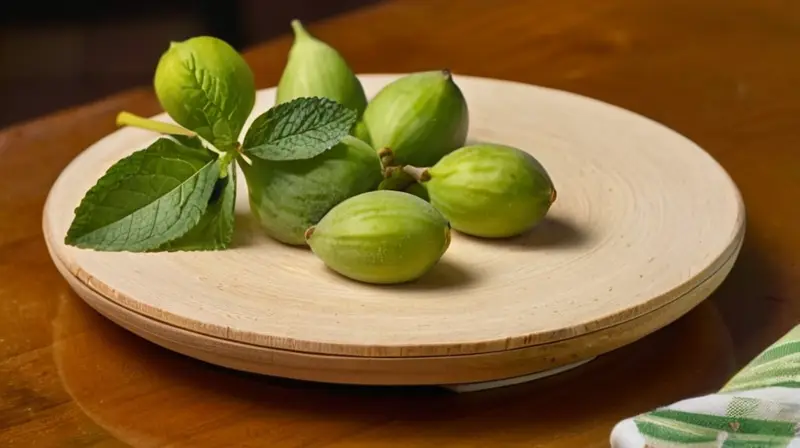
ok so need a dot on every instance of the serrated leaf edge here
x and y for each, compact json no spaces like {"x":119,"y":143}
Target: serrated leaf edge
{"x":273,"y":110}
{"x":71,"y":240}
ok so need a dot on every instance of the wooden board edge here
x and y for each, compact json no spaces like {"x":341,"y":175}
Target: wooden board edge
{"x":428,"y":370}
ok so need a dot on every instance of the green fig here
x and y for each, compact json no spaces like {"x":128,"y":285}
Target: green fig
{"x":361,"y":132}
{"x":488,"y":190}
{"x":314,"y":68}
{"x":206,"y":86}
{"x":381,"y":237}
{"x":420,"y":117}
{"x":418,"y":190}
{"x":288,"y":196}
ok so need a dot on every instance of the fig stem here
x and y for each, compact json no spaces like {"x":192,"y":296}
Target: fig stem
{"x":387,"y":157}
{"x":243,"y":155}
{"x":389,"y":170}
{"x":553,"y":195}
{"x":419,"y":174}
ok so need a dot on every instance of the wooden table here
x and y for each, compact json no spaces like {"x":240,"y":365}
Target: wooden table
{"x":724,"y":73}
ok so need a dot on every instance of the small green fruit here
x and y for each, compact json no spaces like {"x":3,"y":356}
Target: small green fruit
{"x":314,"y":68}
{"x":418,"y":190}
{"x":361,"y":132}
{"x":420,"y":117}
{"x":205,"y":85}
{"x":288,"y":196}
{"x":381,"y":237}
{"x":488,"y":190}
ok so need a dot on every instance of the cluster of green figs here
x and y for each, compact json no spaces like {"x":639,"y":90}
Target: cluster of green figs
{"x":380,"y":206}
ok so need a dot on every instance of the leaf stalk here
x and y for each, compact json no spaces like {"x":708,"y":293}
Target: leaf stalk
{"x":129,"y":119}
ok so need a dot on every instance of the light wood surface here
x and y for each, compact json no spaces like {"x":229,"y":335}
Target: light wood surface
{"x":723,"y":73}
{"x":418,"y":370}
{"x":643,"y":218}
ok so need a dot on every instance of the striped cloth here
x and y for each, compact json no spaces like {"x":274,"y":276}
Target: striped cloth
{"x":757,"y":408}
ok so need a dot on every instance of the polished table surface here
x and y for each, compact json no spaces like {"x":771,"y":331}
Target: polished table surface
{"x":722,"y":72}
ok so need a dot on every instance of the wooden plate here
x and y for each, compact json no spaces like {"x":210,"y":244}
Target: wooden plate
{"x":646,"y":225}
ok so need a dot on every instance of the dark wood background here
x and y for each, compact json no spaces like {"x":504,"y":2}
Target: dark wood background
{"x":65,"y":53}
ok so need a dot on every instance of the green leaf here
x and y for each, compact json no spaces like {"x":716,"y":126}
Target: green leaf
{"x":215,"y":229}
{"x":190,"y":142}
{"x":153,"y":196}
{"x":300,"y":129}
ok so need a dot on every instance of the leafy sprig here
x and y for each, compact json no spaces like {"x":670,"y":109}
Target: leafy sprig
{"x":179,"y":193}
{"x":300,"y":129}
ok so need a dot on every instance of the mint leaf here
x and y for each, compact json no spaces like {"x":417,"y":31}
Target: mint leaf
{"x":196,"y":143}
{"x":190,"y":142}
{"x":153,"y":196}
{"x":215,"y":229}
{"x":300,"y":129}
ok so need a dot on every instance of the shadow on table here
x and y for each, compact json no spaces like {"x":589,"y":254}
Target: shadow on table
{"x":751,"y":304}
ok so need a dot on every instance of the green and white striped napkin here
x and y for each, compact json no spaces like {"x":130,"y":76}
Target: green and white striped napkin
{"x":758,"y":408}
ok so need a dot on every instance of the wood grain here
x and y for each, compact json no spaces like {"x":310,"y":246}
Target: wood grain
{"x":723,"y":73}
{"x":644,"y":218}
{"x":404,"y":370}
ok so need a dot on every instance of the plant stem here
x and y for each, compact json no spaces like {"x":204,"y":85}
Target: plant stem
{"x":211,"y":147}
{"x":129,"y":119}
{"x":419,"y":174}
{"x":226,"y":160}
{"x":388,"y":171}
{"x":243,"y":155}
{"x":386,"y":155}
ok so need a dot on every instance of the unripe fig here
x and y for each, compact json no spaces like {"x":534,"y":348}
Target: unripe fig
{"x":288,"y":196}
{"x":417,"y":190}
{"x":206,"y":86}
{"x":488,"y":190}
{"x":361,"y":132}
{"x":314,"y":68}
{"x":420,"y":117}
{"x":381,"y":237}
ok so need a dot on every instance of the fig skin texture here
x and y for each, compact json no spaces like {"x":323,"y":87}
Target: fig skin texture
{"x":381,"y":237}
{"x":287,"y":197}
{"x":206,"y":86}
{"x":417,"y":190}
{"x":489,"y":190}
{"x":420,"y":117}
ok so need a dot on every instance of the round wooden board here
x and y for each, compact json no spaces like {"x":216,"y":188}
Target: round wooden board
{"x":467,"y":370}
{"x":645,"y":226}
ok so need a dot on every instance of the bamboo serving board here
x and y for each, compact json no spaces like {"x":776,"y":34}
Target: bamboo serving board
{"x":645,"y":227}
